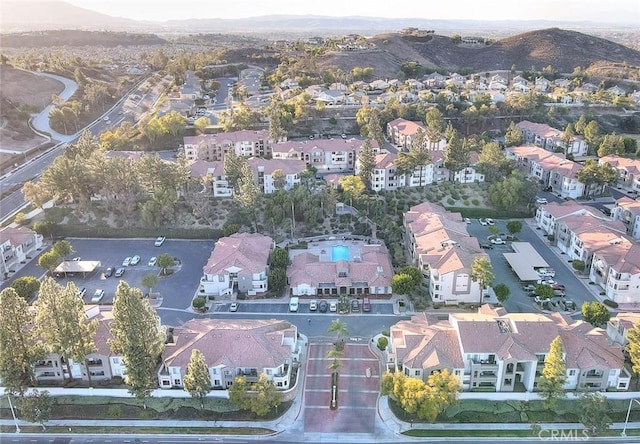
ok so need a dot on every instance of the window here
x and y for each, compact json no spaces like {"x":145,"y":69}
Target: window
{"x":176,"y":382}
{"x":165,"y":382}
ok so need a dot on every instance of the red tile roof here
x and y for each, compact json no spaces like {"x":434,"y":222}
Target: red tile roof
{"x":246,"y":251}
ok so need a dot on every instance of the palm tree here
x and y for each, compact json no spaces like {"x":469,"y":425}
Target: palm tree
{"x":340,"y":329}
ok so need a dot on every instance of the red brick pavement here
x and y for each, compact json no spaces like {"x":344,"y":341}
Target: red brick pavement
{"x":357,"y":394}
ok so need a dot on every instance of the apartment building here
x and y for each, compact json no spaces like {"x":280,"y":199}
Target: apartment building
{"x":213,"y":147}
{"x":616,"y":269}
{"x":619,"y":326}
{"x":401,"y":132}
{"x":326,"y":155}
{"x":238,"y":263}
{"x":17,"y":245}
{"x":550,"y":138}
{"x":628,"y":172}
{"x":232,"y":348}
{"x":439,"y":244}
{"x":385,"y":174}
{"x":627,"y":211}
{"x":551,"y":169}
{"x":493,"y":350}
{"x":101,"y":365}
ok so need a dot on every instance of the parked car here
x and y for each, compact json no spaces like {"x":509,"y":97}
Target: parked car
{"x":333,"y":306}
{"x":323,"y":306}
{"x":77,"y":259}
{"x":119,"y":272}
{"x":546,"y":272}
{"x":366,"y":305}
{"x":560,"y":293}
{"x":529,"y":287}
{"x":97,"y":296}
{"x":490,"y":221}
{"x":467,"y":220}
{"x":497,"y":241}
{"x":81,"y":292}
{"x":152,"y":261}
{"x":135,"y":260}
{"x":109,"y":272}
{"x":159,"y":241}
{"x":483,"y":222}
{"x":557,"y":286}
{"x":313,"y":305}
{"x":486,"y":246}
{"x":541,"y":200}
{"x":344,"y":136}
{"x":233,"y":307}
{"x":355,"y":306}
{"x":126,"y":262}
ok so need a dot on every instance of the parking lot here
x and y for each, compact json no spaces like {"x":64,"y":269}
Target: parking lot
{"x":176,"y":290}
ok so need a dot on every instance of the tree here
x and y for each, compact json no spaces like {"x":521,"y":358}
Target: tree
{"x":232,"y":169}
{"x":502,"y":292}
{"x":592,"y":135}
{"x":633,"y":348}
{"x":202,"y":123}
{"x":456,"y":156}
{"x":595,"y":313}
{"x":138,"y":338}
{"x":611,"y":144}
{"x":506,"y":193}
{"x":149,"y":280}
{"x":514,"y":226}
{"x":266,"y":396}
{"x":442,"y":390}
{"x":36,"y":193}
{"x":593,"y":413}
{"x":594,"y":176}
{"x":62,"y":248}
{"x":279,"y":258}
{"x":26,"y":287}
{"x":248,"y":192}
{"x":20,"y":348}
{"x":340,"y":329}
{"x":238,"y":393}
{"x":544,"y":291}
{"x":197,"y":381}
{"x":481,"y":273}
{"x":49,"y":260}
{"x":419,"y":152}
{"x":402,"y":284}
{"x":578,"y":265}
{"x":513,"y":135}
{"x":554,"y":375}
{"x":36,"y":407}
{"x":367,"y":163}
{"x":352,"y":186}
{"x":434,"y":124}
{"x":567,"y":135}
{"x":279,"y":179}
{"x":62,"y":323}
{"x":277,"y":279}
{"x":493,"y":163}
{"x":414,"y":272}
{"x":165,"y":260}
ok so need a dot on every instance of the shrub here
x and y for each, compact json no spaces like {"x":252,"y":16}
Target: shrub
{"x":610,"y":303}
{"x":451,"y":201}
{"x":475,"y":202}
{"x":114,"y":411}
{"x":199,"y":302}
{"x":465,"y":202}
{"x":382,"y":343}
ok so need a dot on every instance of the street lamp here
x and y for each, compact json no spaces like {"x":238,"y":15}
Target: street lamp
{"x":624,"y":430}
{"x":13,"y":413}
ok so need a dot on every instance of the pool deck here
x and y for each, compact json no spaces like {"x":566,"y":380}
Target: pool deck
{"x":322,"y":249}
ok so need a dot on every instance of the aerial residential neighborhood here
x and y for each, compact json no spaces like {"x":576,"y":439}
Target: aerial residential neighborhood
{"x":324,"y":234}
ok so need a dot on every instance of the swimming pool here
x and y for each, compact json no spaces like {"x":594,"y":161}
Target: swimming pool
{"x":339,"y":253}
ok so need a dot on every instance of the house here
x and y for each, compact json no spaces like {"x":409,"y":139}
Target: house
{"x":326,"y":155}
{"x":352,"y":268}
{"x":627,"y":171}
{"x":232,"y":348}
{"x":497,"y":86}
{"x":551,"y":169}
{"x":549,"y":215}
{"x":101,"y":365}
{"x":17,"y":245}
{"x":238,"y":263}
{"x":212,"y":147}
{"x":401,"y":132}
{"x":288,"y":83}
{"x":562,"y":83}
{"x":384,"y":175}
{"x":378,"y":85}
{"x":616,"y":269}
{"x":469,"y":174}
{"x":265,"y":169}
{"x":627,"y":211}
{"x":616,"y":91}
{"x":331,"y":97}
{"x":190,"y":89}
{"x":541,"y":84}
{"x":212,"y":174}
{"x":493,"y":350}
{"x":497,"y":96}
{"x":439,"y":244}
{"x":519,"y":80}
{"x":619,"y":325}
{"x":550,"y":138}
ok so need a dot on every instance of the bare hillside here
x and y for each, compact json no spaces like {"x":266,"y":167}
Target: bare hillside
{"x":562,"y":49}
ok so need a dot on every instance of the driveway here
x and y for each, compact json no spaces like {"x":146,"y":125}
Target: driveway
{"x":357,"y":393}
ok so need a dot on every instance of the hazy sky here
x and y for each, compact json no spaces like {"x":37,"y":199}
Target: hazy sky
{"x":626,"y":11}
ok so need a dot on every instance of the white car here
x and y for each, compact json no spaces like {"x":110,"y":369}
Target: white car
{"x":152,"y":261}
{"x":541,"y":200}
{"x":483,"y":222}
{"x":467,"y":220}
{"x":97,"y":296}
{"x":490,"y":221}
{"x":313,"y":305}
{"x":106,"y":118}
{"x":135,"y":260}
{"x":333,"y":306}
{"x":233,"y":307}
{"x":126,"y":262}
{"x":497,"y":241}
{"x":159,"y":241}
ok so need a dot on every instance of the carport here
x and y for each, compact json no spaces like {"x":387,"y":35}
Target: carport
{"x":84,"y":267}
{"x":525,"y":260}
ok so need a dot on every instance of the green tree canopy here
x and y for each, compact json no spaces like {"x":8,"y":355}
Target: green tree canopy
{"x":197,"y":381}
{"x":279,"y":258}
{"x":26,"y":286}
{"x":165,"y":260}
{"x":367,"y":163}
{"x":502,"y":292}
{"x":554,"y":374}
{"x":513,"y":135}
{"x":402,"y":283}
{"x":36,"y":407}
{"x":594,"y":410}
{"x":514,"y":226}
{"x":595,"y":313}
{"x":481,"y":271}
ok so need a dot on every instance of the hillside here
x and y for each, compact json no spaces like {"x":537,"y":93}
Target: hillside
{"x":43,"y":39}
{"x":562,"y":49}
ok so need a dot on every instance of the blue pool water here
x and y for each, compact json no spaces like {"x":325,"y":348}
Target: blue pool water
{"x":339,"y":253}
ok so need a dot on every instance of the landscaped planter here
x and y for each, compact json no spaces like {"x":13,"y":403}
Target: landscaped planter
{"x":334,"y":391}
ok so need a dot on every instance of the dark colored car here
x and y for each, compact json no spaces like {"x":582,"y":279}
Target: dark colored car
{"x":355,"y":305}
{"x":487,"y":246}
{"x":323,"y":306}
{"x":109,"y":272}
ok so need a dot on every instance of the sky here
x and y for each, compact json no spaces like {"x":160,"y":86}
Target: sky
{"x":623,"y":11}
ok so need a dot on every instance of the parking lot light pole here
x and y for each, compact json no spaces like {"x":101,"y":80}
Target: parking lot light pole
{"x":13,"y":413}
{"x":624,"y":430}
